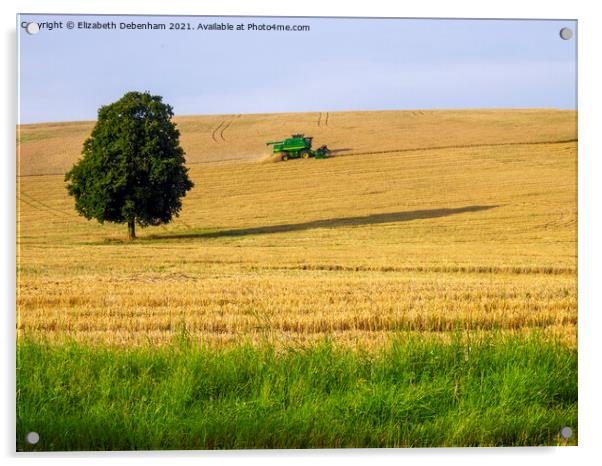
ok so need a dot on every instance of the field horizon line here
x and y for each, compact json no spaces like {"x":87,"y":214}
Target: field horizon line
{"x":441,"y":109}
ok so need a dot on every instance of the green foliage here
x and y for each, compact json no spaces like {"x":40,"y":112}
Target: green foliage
{"x":133,"y":168}
{"x":418,"y":393}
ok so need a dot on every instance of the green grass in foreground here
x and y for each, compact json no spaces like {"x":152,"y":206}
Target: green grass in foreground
{"x":419,"y":392}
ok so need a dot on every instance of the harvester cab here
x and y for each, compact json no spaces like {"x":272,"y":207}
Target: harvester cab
{"x":297,"y":146}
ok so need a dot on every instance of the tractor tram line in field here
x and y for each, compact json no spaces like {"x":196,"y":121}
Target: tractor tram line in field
{"x":226,"y":126}
{"x":215,"y":131}
{"x":461,"y":146}
{"x":217,"y":134}
{"x":24,"y":197}
{"x":322,"y":119}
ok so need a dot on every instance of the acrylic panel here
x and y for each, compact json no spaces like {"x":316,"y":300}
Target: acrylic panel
{"x":295,"y":232}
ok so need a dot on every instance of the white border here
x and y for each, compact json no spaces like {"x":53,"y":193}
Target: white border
{"x":590,"y":234}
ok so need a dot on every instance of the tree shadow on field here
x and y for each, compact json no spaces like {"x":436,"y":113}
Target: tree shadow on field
{"x":373,"y":219}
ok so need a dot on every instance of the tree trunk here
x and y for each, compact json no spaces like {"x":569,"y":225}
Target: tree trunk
{"x":131,"y":229}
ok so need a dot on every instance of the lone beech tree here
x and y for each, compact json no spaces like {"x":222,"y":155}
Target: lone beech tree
{"x":132,"y":170}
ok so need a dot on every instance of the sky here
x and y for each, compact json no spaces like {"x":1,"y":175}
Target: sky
{"x":339,"y":64}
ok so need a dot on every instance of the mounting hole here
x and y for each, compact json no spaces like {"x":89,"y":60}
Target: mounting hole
{"x":32,"y":438}
{"x":566,"y":432}
{"x":566,"y":33}
{"x":32,"y":28}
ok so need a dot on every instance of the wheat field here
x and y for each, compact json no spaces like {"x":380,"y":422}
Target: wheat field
{"x":418,"y":288}
{"x":424,"y":222}
{"x":52,"y":148}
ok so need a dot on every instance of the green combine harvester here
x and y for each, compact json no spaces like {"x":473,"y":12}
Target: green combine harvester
{"x":297,"y":147}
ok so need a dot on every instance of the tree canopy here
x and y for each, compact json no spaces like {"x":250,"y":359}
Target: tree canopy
{"x":132,"y":168}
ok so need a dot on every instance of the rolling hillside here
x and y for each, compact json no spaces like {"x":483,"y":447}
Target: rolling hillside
{"x":52,"y":148}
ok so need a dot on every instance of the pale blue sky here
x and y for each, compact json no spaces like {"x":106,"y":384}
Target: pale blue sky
{"x":341,"y":64}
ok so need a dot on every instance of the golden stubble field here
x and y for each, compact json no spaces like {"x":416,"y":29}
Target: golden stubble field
{"x":427,"y":222}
